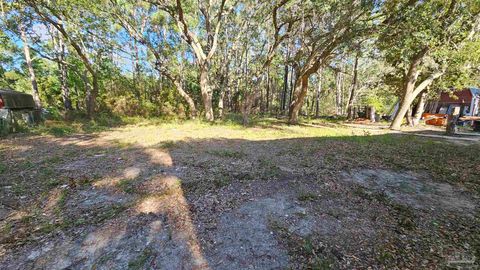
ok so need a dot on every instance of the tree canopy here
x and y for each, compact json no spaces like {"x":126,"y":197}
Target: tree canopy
{"x":206,"y":58}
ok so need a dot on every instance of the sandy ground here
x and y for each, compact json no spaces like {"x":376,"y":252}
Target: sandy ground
{"x":125,"y":199}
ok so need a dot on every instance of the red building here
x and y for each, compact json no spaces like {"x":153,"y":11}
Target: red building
{"x":468,"y":100}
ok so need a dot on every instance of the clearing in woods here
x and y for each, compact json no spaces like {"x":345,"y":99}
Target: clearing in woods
{"x":192,"y":195}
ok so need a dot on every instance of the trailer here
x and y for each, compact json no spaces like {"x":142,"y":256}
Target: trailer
{"x":17,"y":109}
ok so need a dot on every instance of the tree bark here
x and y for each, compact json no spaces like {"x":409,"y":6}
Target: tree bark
{"x":301,"y":87}
{"x":91,"y":94}
{"x":28,"y":59}
{"x":338,"y":93}
{"x":285,"y":88}
{"x":353,"y":89}
{"x":317,"y":95}
{"x":268,"y":91}
{"x":178,"y":85}
{"x":187,"y":98}
{"x":62,"y":67}
{"x":206,"y":91}
{"x":408,"y":89}
{"x":409,"y":117}
{"x":420,"y":108}
{"x":372,"y":112}
{"x":220,"y":104}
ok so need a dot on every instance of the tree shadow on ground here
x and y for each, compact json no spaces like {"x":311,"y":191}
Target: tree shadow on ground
{"x":87,"y":202}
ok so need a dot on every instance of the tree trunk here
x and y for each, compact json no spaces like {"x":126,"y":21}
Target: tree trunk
{"x":62,"y":67}
{"x":301,"y":87}
{"x":353,"y":89}
{"x":191,"y":105}
{"x":220,"y":104}
{"x":420,"y":109}
{"x":206,"y":90}
{"x":28,"y":59}
{"x":136,"y":72}
{"x":90,"y":94}
{"x":247,"y":106}
{"x":268,"y":91}
{"x":409,"y":117}
{"x":92,"y":97}
{"x":372,"y":114}
{"x":317,"y":95}
{"x":285,"y":88}
{"x":402,"y":110}
{"x":408,"y":89}
{"x":292,"y":82}
{"x":338,"y":93}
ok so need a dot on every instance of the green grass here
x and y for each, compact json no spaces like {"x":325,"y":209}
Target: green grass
{"x":222,"y":180}
{"x":140,"y":261}
{"x":307,"y":196}
{"x":3,"y":168}
{"x":227,"y":153}
{"x":53,"y":182}
{"x":126,"y":185}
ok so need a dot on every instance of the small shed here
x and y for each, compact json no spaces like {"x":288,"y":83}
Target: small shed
{"x":16,"y":108}
{"x":467,"y":99}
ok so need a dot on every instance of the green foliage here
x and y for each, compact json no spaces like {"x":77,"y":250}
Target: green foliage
{"x":442,"y":29}
{"x":131,"y":70}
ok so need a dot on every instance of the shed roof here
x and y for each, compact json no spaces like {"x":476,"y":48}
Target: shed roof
{"x":16,"y":100}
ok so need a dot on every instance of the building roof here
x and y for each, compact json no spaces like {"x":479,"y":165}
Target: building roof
{"x":16,"y":100}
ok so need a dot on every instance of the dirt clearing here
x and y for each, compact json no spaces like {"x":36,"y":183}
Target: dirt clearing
{"x":196,"y":196}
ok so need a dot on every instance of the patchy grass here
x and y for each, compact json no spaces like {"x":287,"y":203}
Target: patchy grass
{"x":3,"y":168}
{"x":212,"y":158}
{"x":307,"y":196}
{"x":227,"y":153}
{"x":126,"y":185}
{"x":140,"y":261}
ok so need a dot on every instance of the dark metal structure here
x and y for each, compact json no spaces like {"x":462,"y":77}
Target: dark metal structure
{"x":16,"y":108}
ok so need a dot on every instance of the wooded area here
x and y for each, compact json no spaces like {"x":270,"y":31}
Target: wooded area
{"x":192,"y":59}
{"x":239,"y":134}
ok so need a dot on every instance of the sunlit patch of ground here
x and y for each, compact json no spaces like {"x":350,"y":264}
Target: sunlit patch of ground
{"x":195,"y":195}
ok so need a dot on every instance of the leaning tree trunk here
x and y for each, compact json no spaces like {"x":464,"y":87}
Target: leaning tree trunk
{"x":88,"y":93}
{"x":420,"y":109}
{"x":191,"y":105}
{"x":28,"y":59}
{"x":409,"y":117}
{"x":301,"y":87}
{"x":408,"y":90}
{"x":402,"y":110}
{"x":206,"y":90}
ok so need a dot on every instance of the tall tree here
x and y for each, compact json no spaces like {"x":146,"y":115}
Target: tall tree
{"x":420,"y":39}
{"x":77,"y":35}
{"x":326,"y":27}
{"x":139,"y":22}
{"x":210,"y":21}
{"x":31,"y":71}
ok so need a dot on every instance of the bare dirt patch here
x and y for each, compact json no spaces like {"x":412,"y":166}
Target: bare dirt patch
{"x":415,"y":190}
{"x":255,"y":199}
